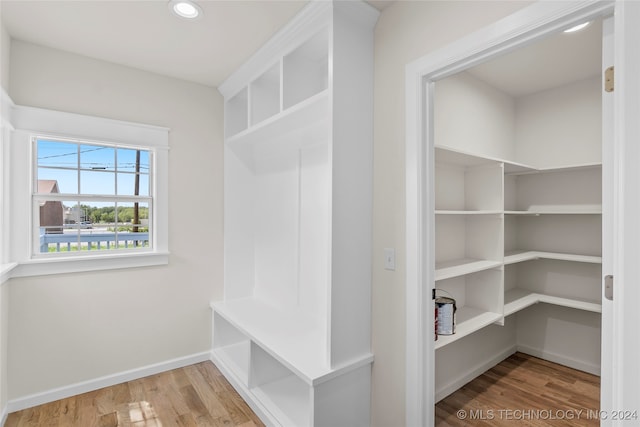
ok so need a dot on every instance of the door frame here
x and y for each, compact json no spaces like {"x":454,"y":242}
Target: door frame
{"x":517,"y":30}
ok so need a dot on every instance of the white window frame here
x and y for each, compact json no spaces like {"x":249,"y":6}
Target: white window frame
{"x":6,"y":266}
{"x":29,"y":123}
{"x":85,"y":197}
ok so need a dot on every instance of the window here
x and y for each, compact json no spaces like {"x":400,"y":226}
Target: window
{"x":90,"y":197}
{"x":87,"y":193}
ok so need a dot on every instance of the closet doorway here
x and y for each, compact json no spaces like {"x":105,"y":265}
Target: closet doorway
{"x":510,"y":202}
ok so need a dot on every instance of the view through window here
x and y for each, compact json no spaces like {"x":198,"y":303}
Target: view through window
{"x":90,"y":197}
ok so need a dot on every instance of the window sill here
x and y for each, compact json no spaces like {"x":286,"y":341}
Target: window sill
{"x":5,"y":271}
{"x":40,"y":267}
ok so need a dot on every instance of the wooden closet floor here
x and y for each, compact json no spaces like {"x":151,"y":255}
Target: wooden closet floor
{"x":523,"y":390}
{"x":196,"y":395}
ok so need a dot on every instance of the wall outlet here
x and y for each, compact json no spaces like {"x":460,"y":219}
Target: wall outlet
{"x":389,"y":258}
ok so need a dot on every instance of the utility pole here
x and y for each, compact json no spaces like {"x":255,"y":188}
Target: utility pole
{"x":136,"y":192}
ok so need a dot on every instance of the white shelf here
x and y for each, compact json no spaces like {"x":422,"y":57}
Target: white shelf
{"x":566,"y":168}
{"x":291,"y":337}
{"x":513,"y":257}
{"x":568,"y":211}
{"x":460,"y":267}
{"x":468,"y":320}
{"x":456,"y":157}
{"x":465,"y":158}
{"x":519,"y":299}
{"x":456,"y":212}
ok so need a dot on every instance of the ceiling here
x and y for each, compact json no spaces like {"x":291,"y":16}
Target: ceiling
{"x":144,"y":34}
{"x":552,"y":62}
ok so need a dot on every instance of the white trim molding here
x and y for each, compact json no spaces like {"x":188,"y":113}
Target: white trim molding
{"x":36,"y":399}
{"x":521,"y":28}
{"x":3,"y":415}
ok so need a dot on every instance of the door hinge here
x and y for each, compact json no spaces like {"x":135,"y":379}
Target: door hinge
{"x":433,"y":294}
{"x":608,"y":287}
{"x":609,"y":79}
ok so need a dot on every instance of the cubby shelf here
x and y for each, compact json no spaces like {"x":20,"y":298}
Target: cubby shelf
{"x":298,"y":118}
{"x":289,"y":399}
{"x":236,"y":357}
{"x":291,"y":337}
{"x":468,"y":321}
{"x":518,"y":299}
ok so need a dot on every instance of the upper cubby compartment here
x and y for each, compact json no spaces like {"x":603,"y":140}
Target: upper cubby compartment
{"x":236,"y":118}
{"x":306,"y":70}
{"x":290,"y":91}
{"x":265,"y":95}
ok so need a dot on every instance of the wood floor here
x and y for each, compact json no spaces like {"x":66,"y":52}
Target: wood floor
{"x":524,"y":391}
{"x":197,"y":395}
{"x":520,"y":391}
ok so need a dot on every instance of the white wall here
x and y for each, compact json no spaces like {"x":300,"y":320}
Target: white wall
{"x":69,"y":328}
{"x":560,"y":126}
{"x":5,"y":50}
{"x":484,"y":119}
{"x":405,"y":31}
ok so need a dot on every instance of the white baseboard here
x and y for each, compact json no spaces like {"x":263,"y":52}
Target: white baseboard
{"x":101,"y":382}
{"x":3,"y":415}
{"x":472,"y":373}
{"x":560,"y":359}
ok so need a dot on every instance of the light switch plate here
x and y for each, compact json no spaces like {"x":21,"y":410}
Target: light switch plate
{"x":389,"y":258}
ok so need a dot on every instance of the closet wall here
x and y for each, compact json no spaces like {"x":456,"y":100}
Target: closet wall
{"x":547,"y":305}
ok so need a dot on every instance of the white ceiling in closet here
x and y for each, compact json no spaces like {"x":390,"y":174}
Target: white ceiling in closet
{"x":555,"y":61}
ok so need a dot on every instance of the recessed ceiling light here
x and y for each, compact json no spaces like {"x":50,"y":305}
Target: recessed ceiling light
{"x":185,"y":9}
{"x":577,"y":27}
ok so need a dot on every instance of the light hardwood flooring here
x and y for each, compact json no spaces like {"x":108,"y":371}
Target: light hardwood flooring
{"x":197,"y":395}
{"x":524,"y":391}
{"x":520,"y":391}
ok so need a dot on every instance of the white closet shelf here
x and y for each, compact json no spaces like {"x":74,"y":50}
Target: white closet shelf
{"x":518,"y":299}
{"x":296,"y":118}
{"x":565,"y":168}
{"x":460,"y":267}
{"x":468,"y":212}
{"x":468,"y":321}
{"x":567,"y":211}
{"x":291,"y":337}
{"x":455,"y":156}
{"x":462,"y":158}
{"x":512,"y":257}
